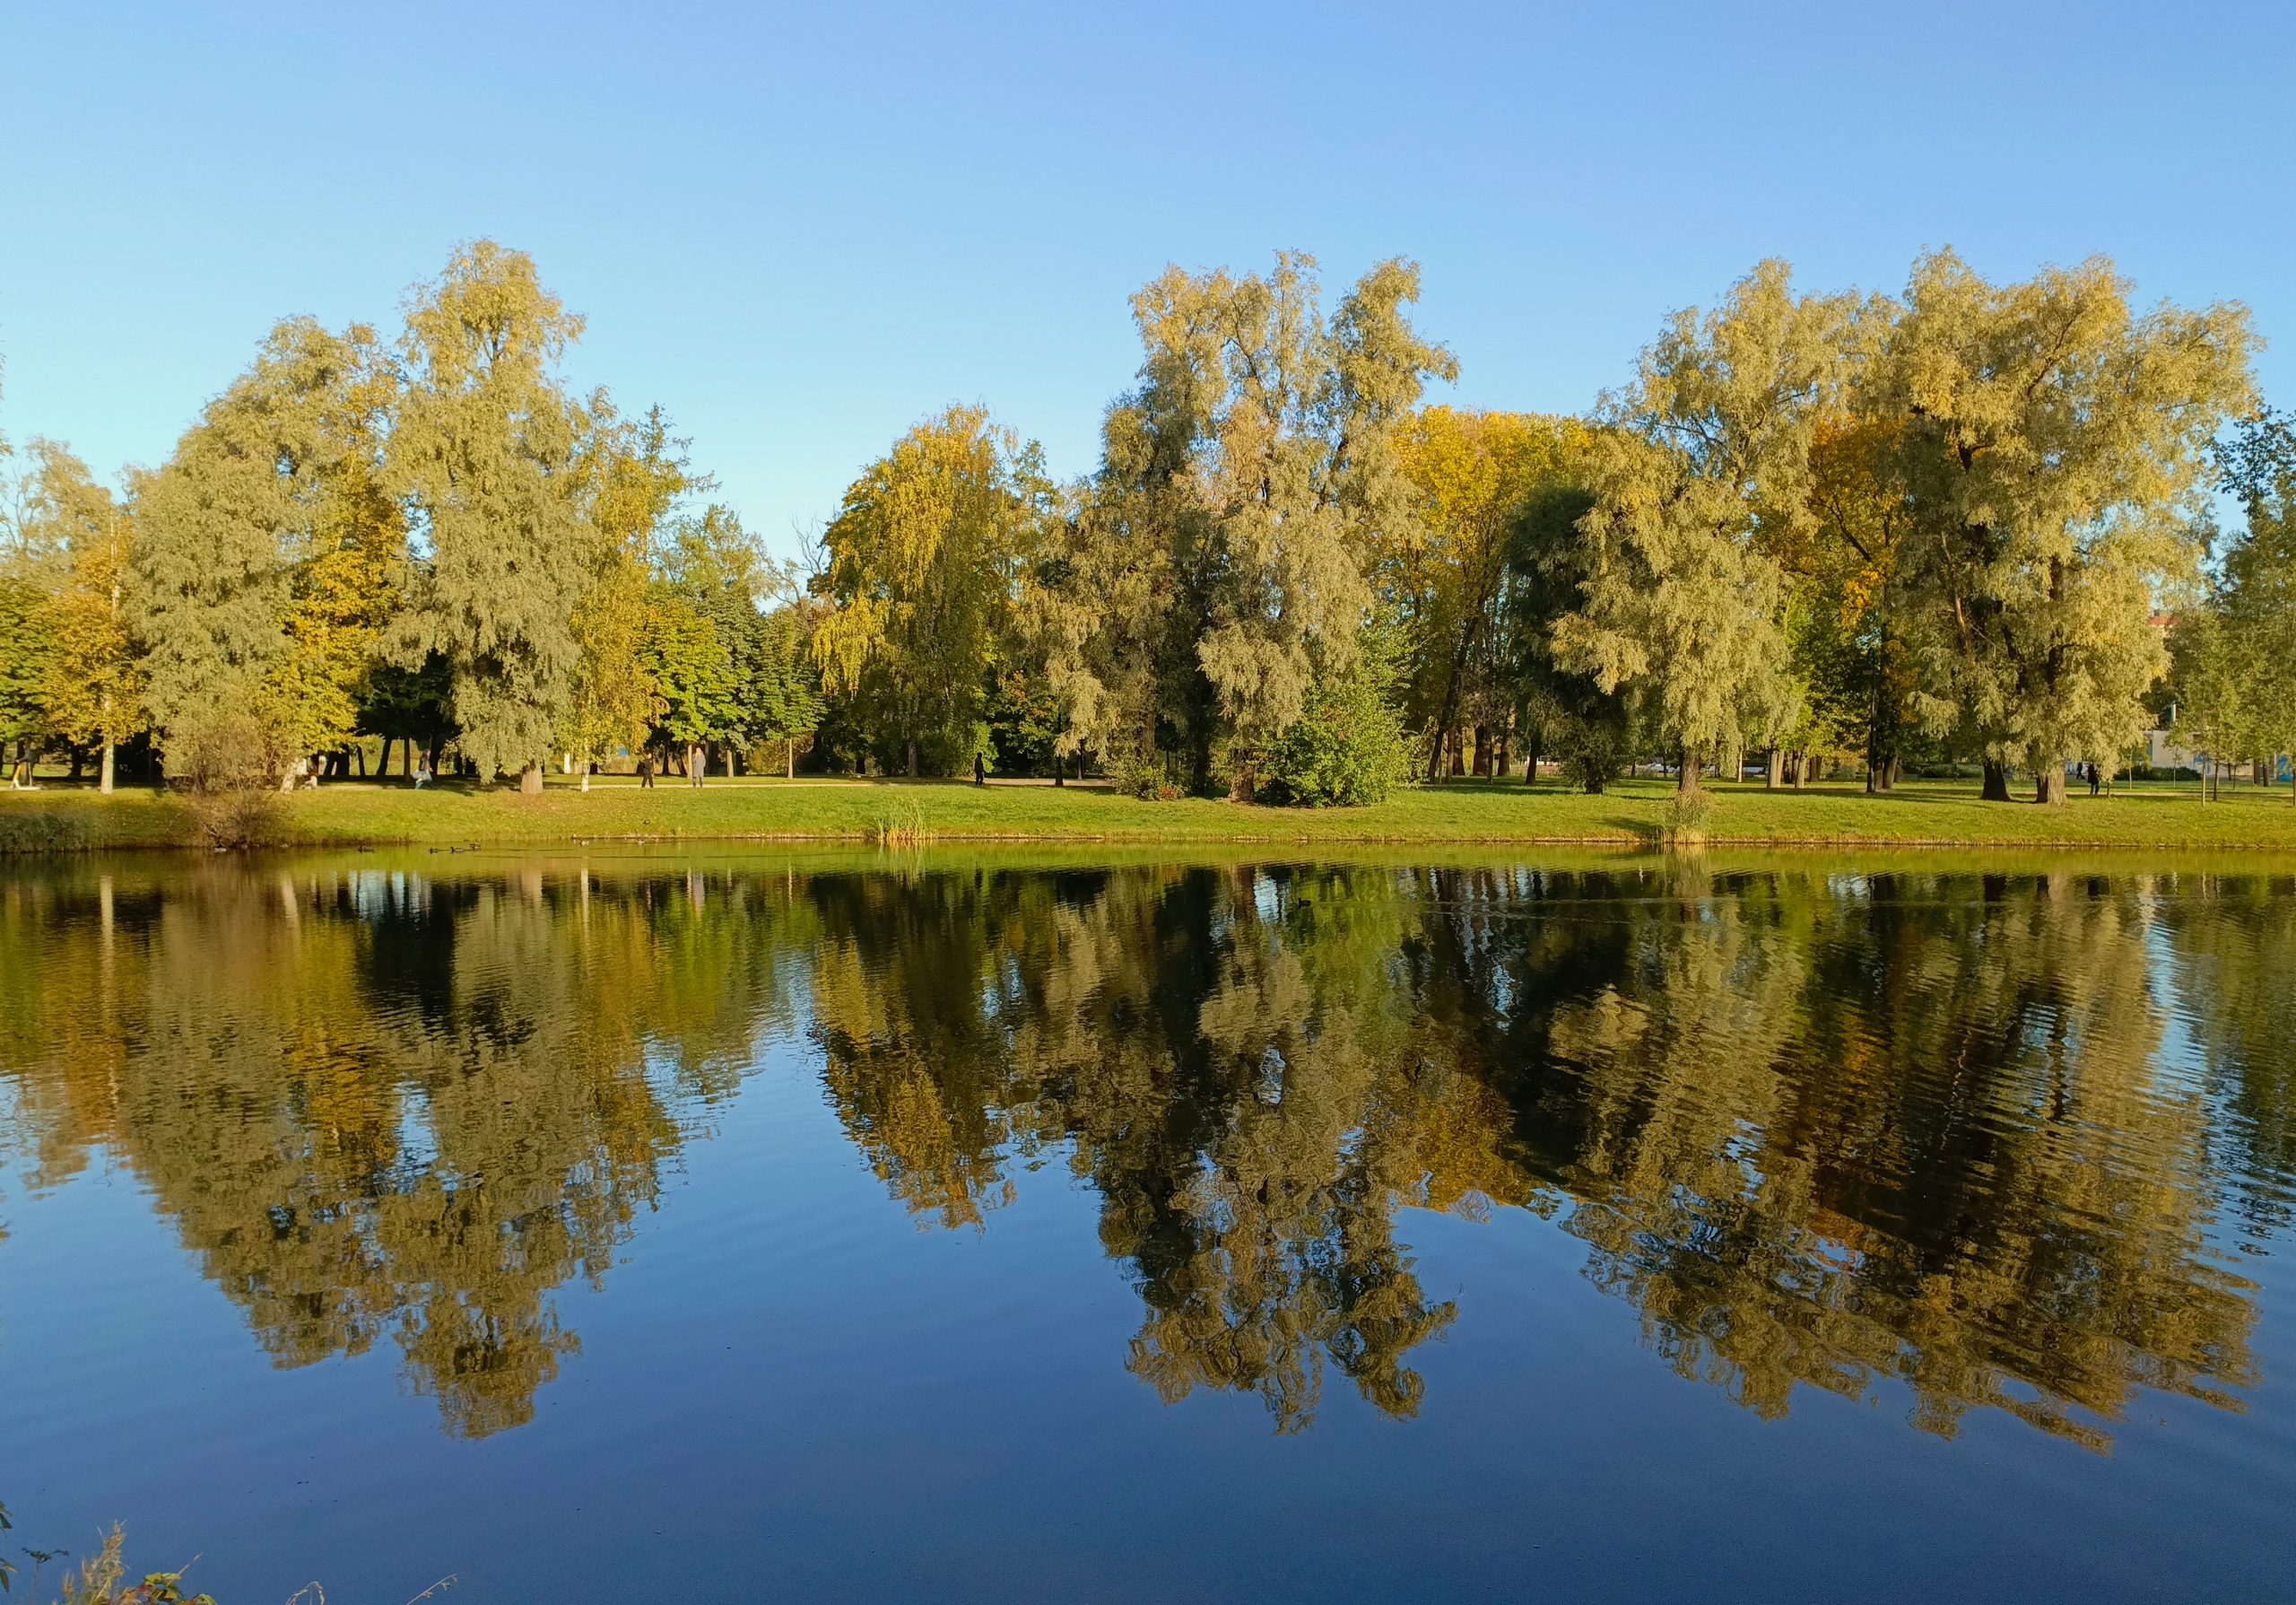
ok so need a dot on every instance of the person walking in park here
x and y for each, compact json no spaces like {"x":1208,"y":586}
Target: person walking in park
{"x":646,"y":771}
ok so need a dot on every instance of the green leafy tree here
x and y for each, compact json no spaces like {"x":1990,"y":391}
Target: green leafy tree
{"x":487,"y":450}
{"x":1703,"y":472}
{"x":262,"y":557}
{"x":92,"y":683}
{"x":2212,"y":668}
{"x":1446,"y":571}
{"x":638,"y":472}
{"x":923,"y":565}
{"x":1347,"y":747}
{"x":1562,"y":712}
{"x":2054,"y":455}
{"x":2259,"y":596}
{"x":1217,"y":565}
{"x":33,"y":562}
{"x":693,"y":677}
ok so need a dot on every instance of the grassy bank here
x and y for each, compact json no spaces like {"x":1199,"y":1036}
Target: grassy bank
{"x":1920,"y":814}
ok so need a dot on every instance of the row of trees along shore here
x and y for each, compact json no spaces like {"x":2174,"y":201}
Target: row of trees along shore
{"x":1972,"y":523}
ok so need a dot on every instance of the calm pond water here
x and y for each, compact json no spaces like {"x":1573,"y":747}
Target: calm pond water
{"x":869,"y":1229}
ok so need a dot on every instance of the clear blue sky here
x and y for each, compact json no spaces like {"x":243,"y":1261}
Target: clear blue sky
{"x":801,"y":230}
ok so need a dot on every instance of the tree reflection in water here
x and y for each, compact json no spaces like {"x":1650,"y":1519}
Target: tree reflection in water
{"x":1833,"y":1131}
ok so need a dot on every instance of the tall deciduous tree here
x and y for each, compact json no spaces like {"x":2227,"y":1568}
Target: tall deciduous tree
{"x":2212,"y":669}
{"x":1218,"y":566}
{"x":1705,"y":470}
{"x":638,"y":473}
{"x":91,"y":684}
{"x":485,"y":448}
{"x":1564,"y":711}
{"x":32,"y":563}
{"x":1475,"y":476}
{"x":2055,"y":457}
{"x":266,"y":551}
{"x":1852,"y":660}
{"x":2258,"y":596}
{"x":923,"y":565}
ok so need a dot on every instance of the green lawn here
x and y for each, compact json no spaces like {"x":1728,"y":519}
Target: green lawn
{"x":1921,"y":813}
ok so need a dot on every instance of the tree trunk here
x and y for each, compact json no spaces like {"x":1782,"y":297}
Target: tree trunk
{"x":912,"y":760}
{"x":1801,"y":771}
{"x":1482,"y":752}
{"x":110,"y":764}
{"x":1996,"y":782}
{"x":1532,"y":739}
{"x":2049,"y":782}
{"x":79,"y":760}
{"x":1686,"y":775}
{"x":1444,"y":717}
{"x":1498,"y":759}
{"x":530,"y":780}
{"x":1771,"y":778}
{"x":1059,"y":770}
{"x":789,"y":760}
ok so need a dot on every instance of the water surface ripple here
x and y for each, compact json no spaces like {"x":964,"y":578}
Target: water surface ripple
{"x":969,"y":1229}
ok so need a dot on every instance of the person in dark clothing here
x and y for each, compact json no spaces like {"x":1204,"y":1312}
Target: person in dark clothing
{"x":2095,"y":779}
{"x":980,"y":771}
{"x":646,"y":772}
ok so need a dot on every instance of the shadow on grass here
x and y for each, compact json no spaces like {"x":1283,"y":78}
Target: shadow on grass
{"x":1647,"y":833}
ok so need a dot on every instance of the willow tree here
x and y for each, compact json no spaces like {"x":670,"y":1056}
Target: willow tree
{"x":1704,"y":470}
{"x":263,"y":554}
{"x":485,"y":448}
{"x":1217,"y":569}
{"x":2055,"y":457}
{"x":923,"y":567}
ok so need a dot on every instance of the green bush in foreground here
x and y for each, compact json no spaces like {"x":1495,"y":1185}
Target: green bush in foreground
{"x":1347,"y":747}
